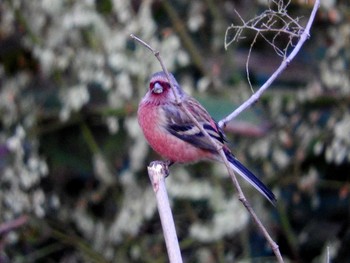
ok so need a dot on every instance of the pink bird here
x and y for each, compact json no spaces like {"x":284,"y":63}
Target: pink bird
{"x":173,"y":135}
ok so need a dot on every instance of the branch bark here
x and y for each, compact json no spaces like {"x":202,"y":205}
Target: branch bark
{"x":157,"y":172}
{"x":304,"y":36}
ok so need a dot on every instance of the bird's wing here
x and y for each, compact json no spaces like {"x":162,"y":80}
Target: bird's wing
{"x":181,"y":126}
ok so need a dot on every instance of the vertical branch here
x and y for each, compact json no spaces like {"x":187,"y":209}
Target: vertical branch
{"x":157,"y":172}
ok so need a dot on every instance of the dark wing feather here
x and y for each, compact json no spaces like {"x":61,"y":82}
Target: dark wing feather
{"x":181,"y":126}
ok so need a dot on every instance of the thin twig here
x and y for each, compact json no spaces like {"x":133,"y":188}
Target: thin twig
{"x":157,"y":55}
{"x":304,"y":36}
{"x":13,"y":224}
{"x":270,"y":21}
{"x":248,"y":60}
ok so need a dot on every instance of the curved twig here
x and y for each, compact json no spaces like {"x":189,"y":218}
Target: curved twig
{"x":304,"y":36}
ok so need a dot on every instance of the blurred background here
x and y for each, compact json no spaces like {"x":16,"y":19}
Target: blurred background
{"x":73,"y":179}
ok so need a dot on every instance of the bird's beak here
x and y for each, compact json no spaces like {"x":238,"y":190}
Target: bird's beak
{"x":157,"y":88}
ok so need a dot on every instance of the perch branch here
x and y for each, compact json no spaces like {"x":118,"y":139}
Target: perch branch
{"x":157,"y":172}
{"x":304,"y":36}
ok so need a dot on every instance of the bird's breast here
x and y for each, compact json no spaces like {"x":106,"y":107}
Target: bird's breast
{"x":153,"y":123}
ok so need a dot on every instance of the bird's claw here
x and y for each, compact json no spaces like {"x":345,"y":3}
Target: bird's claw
{"x":165,"y":166}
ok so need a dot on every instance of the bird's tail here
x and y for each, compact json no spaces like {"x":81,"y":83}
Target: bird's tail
{"x":243,"y":171}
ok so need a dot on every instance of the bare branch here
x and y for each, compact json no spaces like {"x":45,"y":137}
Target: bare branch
{"x":305,"y":34}
{"x":248,"y":60}
{"x":157,"y":172}
{"x":11,"y":225}
{"x":270,"y":21}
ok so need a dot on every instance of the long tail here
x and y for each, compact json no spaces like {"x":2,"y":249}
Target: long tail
{"x":243,"y":171}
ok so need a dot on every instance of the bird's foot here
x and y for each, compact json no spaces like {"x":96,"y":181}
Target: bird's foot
{"x":165,"y":166}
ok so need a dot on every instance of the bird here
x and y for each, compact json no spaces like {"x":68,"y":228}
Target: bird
{"x":175,"y":137}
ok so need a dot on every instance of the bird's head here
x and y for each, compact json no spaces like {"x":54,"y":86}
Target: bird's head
{"x":160,"y":88}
